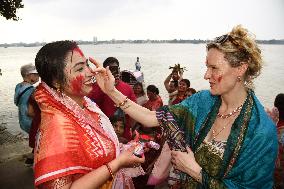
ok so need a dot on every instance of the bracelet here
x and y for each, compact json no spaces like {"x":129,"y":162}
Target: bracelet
{"x":109,"y":170}
{"x":199,"y":178}
{"x":126,"y":107}
{"x":122,"y":103}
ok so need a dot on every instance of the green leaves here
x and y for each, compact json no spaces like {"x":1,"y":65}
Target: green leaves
{"x":8,"y":8}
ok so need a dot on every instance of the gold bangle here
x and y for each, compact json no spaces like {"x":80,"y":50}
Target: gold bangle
{"x":109,"y":170}
{"x":122,"y":103}
{"x":126,"y":107}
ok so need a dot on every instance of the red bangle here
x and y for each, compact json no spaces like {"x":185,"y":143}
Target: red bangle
{"x":109,"y":170}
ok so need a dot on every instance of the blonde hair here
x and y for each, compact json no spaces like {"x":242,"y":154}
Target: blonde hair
{"x":240,"y":47}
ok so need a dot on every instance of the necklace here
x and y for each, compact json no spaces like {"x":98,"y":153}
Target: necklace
{"x":238,"y":109}
{"x":214,"y":132}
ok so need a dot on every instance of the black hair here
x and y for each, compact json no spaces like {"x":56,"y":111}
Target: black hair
{"x":192,"y":90}
{"x":115,"y":118}
{"x":175,"y":82}
{"x":279,"y":104}
{"x":153,"y":89}
{"x":50,"y":61}
{"x":187,"y":82}
{"x":110,"y":60}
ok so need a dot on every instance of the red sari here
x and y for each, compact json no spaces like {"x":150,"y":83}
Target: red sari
{"x":155,"y":104}
{"x":71,"y":141}
{"x":279,"y":171}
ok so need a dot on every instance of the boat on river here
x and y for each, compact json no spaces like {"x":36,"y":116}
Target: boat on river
{"x":132,"y":77}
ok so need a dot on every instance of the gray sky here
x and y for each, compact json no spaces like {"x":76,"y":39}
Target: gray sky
{"x":50,"y":20}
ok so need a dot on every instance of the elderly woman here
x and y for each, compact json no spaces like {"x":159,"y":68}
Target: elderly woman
{"x":76,"y":145}
{"x":221,"y":138}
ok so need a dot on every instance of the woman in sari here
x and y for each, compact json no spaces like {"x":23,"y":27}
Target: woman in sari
{"x":182,"y":92}
{"x":155,"y":101}
{"x":279,"y":171}
{"x":221,"y":138}
{"x":76,"y":145}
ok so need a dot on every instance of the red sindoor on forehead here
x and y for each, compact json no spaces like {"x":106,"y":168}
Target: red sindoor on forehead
{"x":77,"y":49}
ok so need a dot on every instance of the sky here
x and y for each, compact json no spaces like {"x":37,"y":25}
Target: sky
{"x":51,"y":20}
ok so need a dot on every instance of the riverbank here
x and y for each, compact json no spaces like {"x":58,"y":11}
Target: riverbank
{"x":12,"y":146}
{"x":13,"y":151}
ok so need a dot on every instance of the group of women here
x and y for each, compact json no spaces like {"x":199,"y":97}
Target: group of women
{"x":220,"y":138}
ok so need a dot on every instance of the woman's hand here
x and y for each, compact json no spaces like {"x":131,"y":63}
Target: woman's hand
{"x":185,"y":162}
{"x":104,"y":77}
{"x":128,"y":159}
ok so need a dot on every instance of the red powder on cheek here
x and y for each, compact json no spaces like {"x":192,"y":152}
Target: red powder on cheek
{"x":77,"y":84}
{"x":77,"y":49}
{"x":220,"y":79}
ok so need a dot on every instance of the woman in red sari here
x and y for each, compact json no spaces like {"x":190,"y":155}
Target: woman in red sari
{"x":76,"y":146}
{"x":182,"y":92}
{"x":155,"y":100}
{"x":279,"y":170}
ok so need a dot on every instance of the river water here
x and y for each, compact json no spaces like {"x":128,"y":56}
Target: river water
{"x":155,"y":61}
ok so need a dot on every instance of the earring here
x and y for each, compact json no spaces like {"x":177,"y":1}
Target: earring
{"x":58,"y":90}
{"x":57,"y":86}
{"x":239,"y":79}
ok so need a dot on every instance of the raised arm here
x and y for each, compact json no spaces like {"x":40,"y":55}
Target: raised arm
{"x":167,"y":82}
{"x":180,"y":75}
{"x":106,"y":82}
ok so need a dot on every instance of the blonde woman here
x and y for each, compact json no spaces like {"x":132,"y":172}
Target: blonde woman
{"x":222,"y":137}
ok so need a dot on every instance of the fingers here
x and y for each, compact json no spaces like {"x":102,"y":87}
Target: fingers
{"x":109,"y":74}
{"x":138,"y":161}
{"x":188,"y":150}
{"x":141,"y":160}
{"x":131,"y":149}
{"x":98,"y":68}
{"x":93,"y":61}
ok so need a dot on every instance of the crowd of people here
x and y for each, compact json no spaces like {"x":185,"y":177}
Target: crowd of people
{"x":109,"y":134}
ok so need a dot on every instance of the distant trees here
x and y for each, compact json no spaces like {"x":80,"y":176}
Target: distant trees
{"x":8,"y":8}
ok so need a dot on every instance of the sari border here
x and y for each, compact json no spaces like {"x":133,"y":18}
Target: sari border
{"x":84,"y":121}
{"x":241,"y":134}
{"x":53,"y":173}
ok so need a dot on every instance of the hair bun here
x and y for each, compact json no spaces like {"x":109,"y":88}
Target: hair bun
{"x":239,"y":32}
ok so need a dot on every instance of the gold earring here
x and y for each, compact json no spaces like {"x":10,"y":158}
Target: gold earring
{"x":239,"y":78}
{"x":57,"y":86}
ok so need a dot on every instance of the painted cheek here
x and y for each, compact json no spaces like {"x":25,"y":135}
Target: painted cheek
{"x":77,"y":84}
{"x":219,"y":79}
{"x":79,"y":51}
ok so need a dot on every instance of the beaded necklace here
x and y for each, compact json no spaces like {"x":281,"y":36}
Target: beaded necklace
{"x":238,"y":109}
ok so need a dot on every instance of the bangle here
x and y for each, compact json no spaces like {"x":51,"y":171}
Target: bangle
{"x":199,"y":178}
{"x":109,"y":170}
{"x":122,"y":103}
{"x":127,"y":106}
